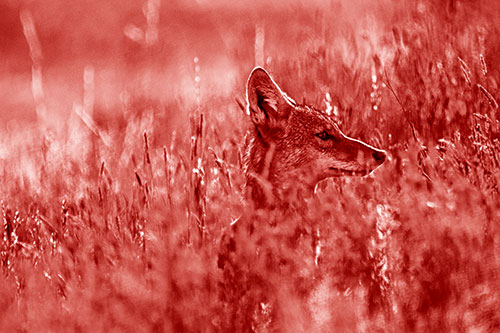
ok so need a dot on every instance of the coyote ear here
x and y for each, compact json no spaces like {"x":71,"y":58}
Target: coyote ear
{"x":265,"y":100}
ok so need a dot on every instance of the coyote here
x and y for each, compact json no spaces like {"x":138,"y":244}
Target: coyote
{"x":291,"y":147}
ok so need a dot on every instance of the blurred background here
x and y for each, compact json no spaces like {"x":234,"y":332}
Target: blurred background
{"x":149,"y":47}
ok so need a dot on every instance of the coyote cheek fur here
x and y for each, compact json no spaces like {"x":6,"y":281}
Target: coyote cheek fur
{"x":292,"y":147}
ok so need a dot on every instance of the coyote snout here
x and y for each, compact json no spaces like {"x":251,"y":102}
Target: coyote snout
{"x":296,"y":146}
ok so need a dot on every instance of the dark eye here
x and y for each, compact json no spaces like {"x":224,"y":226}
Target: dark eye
{"x":323,"y":135}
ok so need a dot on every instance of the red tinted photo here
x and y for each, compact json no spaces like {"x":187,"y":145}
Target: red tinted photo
{"x":264,"y":166}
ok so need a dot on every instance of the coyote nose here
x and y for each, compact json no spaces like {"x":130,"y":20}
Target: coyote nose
{"x":379,"y":156}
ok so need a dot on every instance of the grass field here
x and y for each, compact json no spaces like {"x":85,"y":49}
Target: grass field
{"x":120,"y":160}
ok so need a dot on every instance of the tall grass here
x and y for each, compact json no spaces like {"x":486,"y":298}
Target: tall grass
{"x":111,"y":222}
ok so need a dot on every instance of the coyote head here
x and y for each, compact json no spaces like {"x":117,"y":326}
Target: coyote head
{"x":296,"y":145}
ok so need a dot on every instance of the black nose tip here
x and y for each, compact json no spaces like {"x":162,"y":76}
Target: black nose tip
{"x":379,"y":156}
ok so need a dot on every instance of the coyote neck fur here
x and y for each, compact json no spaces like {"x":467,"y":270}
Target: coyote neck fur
{"x":257,"y":162}
{"x":267,"y":185}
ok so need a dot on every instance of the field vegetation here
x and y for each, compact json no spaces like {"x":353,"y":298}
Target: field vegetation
{"x":121,"y":150}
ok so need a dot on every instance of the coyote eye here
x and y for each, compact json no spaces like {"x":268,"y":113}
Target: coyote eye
{"x":323,"y":135}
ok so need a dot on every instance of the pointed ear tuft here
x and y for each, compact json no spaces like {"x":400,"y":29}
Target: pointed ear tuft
{"x":265,"y":101}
